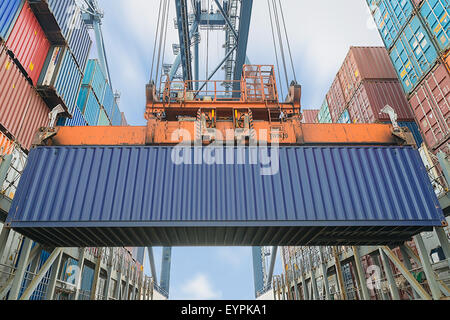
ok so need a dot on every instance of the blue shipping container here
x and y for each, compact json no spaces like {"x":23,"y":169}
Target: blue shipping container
{"x":345,"y":117}
{"x":159,"y":196}
{"x":9,"y":11}
{"x":41,"y":290}
{"x":76,"y":121}
{"x":414,"y":128}
{"x":117,"y":116}
{"x":63,"y":11}
{"x":93,"y":76}
{"x":413,"y":54}
{"x":436,"y":14}
{"x":390,"y":17}
{"x":324,"y":115}
{"x":61,"y":73}
{"x":108,"y":101}
{"x":79,"y":40}
{"x":88,"y":105}
{"x":68,"y":80}
{"x":140,"y":255}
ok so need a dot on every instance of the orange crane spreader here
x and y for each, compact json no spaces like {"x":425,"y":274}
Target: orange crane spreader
{"x":179,"y":114}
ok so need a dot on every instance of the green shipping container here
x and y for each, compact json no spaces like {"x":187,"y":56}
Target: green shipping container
{"x":103,"y":118}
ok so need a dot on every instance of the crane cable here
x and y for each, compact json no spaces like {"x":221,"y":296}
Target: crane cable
{"x":165,"y":36}
{"x":207,"y":45}
{"x":280,"y":39}
{"x":275,"y":45}
{"x":287,"y":40}
{"x":156,"y":40}
{"x":161,"y":35}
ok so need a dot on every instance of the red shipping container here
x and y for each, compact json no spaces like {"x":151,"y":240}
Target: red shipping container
{"x":22,"y":110}
{"x":310,"y":116}
{"x":336,"y":100}
{"x":372,"y":96}
{"x":28,"y":43}
{"x":431,"y":105}
{"x":364,"y":63}
{"x":447,"y":61}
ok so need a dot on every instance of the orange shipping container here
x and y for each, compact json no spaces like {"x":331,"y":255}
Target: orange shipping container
{"x":6,"y":145}
{"x":22,"y":110}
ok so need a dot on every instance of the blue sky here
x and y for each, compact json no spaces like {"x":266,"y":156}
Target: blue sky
{"x":320,"y":33}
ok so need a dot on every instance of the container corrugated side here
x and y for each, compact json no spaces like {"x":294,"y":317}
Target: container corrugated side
{"x":117,"y":116}
{"x":310,"y":116}
{"x":9,"y":11}
{"x":79,"y":40}
{"x":68,"y":81}
{"x":124,"y":121}
{"x":87,"y":102}
{"x":103,"y":118}
{"x":372,"y":96}
{"x":29,"y":43}
{"x":324,"y":115}
{"x":39,"y":293}
{"x":413,"y":54}
{"x":345,"y":117}
{"x":61,"y":73}
{"x":336,"y":99}
{"x":414,"y":128}
{"x":87,"y":280}
{"x":431,"y":105}
{"x":6,"y":145}
{"x":94,"y":77}
{"x":365,"y":63}
{"x":108,"y":100}
{"x":390,"y":17}
{"x":436,"y":14}
{"x":63,"y":11}
{"x":22,"y":111}
{"x":138,"y":196}
{"x":76,"y":121}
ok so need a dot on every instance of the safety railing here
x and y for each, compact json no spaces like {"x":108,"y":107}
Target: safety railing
{"x":207,"y":91}
{"x":258,"y":84}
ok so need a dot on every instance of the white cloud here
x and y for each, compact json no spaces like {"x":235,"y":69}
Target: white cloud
{"x":233,"y":256}
{"x":197,"y":288}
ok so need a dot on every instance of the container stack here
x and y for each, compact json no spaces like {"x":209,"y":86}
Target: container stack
{"x":60,"y":79}
{"x":417,"y":36}
{"x":364,"y":85}
{"x":96,"y":100}
{"x":310,"y":116}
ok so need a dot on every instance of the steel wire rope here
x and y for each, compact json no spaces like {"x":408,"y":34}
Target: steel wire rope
{"x":275,"y":46}
{"x":156,"y":39}
{"x":287,"y":40}
{"x":163,"y":27}
{"x":165,"y":36}
{"x":280,"y":39}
